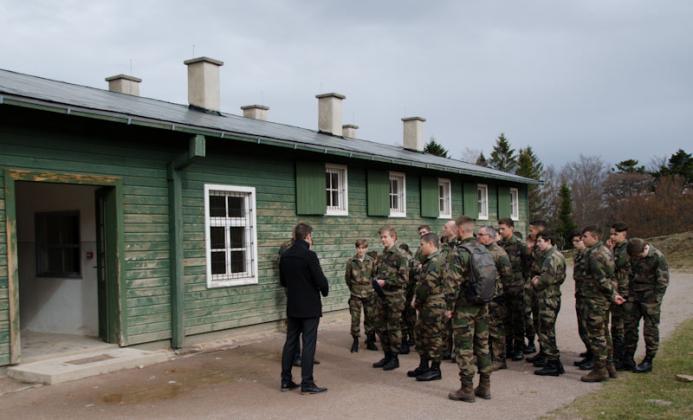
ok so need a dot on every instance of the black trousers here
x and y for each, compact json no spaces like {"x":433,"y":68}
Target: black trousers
{"x":308,"y":329}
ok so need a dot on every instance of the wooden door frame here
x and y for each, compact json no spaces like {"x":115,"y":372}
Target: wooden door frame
{"x":12,"y":176}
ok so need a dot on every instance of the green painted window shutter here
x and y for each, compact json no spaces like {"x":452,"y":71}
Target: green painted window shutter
{"x":470,"y":200}
{"x":310,"y":188}
{"x":429,"y":197}
{"x":378,"y":193}
{"x":504,"y":208}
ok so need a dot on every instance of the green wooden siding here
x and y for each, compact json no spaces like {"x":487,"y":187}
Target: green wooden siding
{"x":378,"y":193}
{"x":310,"y":188}
{"x":471,"y":206}
{"x":4,"y":302}
{"x":504,"y":206}
{"x":429,"y":197}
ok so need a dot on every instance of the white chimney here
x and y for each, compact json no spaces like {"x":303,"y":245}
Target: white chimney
{"x":122,"y":83}
{"x":413,"y":133}
{"x":349,"y":131}
{"x":330,"y":113}
{"x":256,"y":112}
{"x":203,"y":83}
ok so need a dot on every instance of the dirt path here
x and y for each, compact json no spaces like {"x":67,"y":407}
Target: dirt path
{"x":243,"y":383}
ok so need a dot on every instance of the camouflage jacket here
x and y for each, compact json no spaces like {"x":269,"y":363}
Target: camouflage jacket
{"x":503,"y":267}
{"x":414,"y":264}
{"x":457,"y":275}
{"x":358,"y":276}
{"x":536,"y":257}
{"x":622,"y":270}
{"x":599,"y":273}
{"x":649,"y":275}
{"x":430,"y":289}
{"x":552,"y":275}
{"x":519,"y":258}
{"x":393,"y":267}
{"x":579,"y":271}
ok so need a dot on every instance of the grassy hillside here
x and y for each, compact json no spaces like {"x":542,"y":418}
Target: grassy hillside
{"x":677,"y":248}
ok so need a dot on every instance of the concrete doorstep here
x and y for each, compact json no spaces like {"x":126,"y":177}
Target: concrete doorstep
{"x":83,"y":365}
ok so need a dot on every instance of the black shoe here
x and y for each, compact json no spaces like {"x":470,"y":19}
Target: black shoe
{"x":288,"y":386}
{"x":626,"y":364}
{"x":312,"y":389}
{"x":588,"y":365}
{"x":382,"y":362}
{"x":584,"y":354}
{"x":355,"y":345}
{"x":645,"y":366}
{"x":432,"y":374}
{"x":529,"y":348}
{"x":540,"y":362}
{"x":551,"y":368}
{"x":404,"y":348}
{"x":370,"y":342}
{"x":447,"y":355}
{"x":392,"y":364}
{"x":587,"y":357}
{"x":423,"y":367}
{"x":534,"y":358}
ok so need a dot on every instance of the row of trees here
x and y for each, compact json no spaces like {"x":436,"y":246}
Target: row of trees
{"x":653,"y":200}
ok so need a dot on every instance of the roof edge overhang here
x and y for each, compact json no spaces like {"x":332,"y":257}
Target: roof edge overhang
{"x":66,"y":109}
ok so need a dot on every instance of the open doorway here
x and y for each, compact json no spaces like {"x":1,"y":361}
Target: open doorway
{"x":65,"y":246}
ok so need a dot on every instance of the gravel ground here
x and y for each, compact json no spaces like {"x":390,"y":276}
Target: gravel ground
{"x":244,"y":382}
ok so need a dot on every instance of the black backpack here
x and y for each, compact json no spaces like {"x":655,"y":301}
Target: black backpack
{"x":482,"y":274}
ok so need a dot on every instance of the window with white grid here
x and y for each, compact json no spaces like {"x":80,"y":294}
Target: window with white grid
{"x":230,"y":231}
{"x":398,"y":195}
{"x":444,"y":198}
{"x":514,"y":204}
{"x":336,"y":190}
{"x":482,"y":198}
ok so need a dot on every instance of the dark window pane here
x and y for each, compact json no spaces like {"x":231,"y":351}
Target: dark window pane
{"x":219,"y":262}
{"x":217,"y":206}
{"x":335,"y":198}
{"x":335,"y":180}
{"x":237,"y":261}
{"x":217,"y":238}
{"x":328,"y":198}
{"x":53,"y":231}
{"x":235,"y":206}
{"x":237,"y":237}
{"x":55,"y":261}
{"x":327,"y":180}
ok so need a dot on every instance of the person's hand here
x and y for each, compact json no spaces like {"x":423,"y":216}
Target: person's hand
{"x":448,"y":314}
{"x":619,"y":300}
{"x":413,"y":303}
{"x":535,"y":281}
{"x":381,"y":282}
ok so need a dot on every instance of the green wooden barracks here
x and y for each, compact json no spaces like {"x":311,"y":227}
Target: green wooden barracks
{"x":135,"y":220}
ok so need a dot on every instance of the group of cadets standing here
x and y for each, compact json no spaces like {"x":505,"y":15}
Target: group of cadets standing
{"x":424,"y":300}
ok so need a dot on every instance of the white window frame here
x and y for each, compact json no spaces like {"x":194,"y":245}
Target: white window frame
{"x":447,"y":198}
{"x":251,"y":236}
{"x":398,"y":212}
{"x":514,"y":204}
{"x":482,"y":189}
{"x":342,"y":189}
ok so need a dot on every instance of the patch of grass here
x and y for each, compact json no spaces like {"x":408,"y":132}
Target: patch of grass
{"x":630,"y":396}
{"x":677,"y":248}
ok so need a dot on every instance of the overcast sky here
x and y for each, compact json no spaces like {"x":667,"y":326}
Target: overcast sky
{"x":606,"y":77}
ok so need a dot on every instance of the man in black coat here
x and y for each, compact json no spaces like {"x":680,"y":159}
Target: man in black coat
{"x":301,"y":275}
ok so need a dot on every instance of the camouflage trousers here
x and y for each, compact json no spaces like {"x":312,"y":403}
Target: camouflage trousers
{"x":389,"y":320}
{"x":408,"y":319}
{"x":367,"y":304}
{"x":597,"y":323}
{"x":649,"y":312}
{"x":548,"y":311}
{"x":581,"y":316}
{"x":470,"y":329}
{"x":496,"y":330}
{"x":429,"y":331}
{"x":617,"y":328}
{"x":447,"y":336}
{"x":514,"y":315}
{"x":531,"y":309}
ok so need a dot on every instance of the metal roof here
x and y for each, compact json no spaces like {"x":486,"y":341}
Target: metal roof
{"x":33,"y":91}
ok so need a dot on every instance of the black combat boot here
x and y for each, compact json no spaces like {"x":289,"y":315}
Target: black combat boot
{"x":529,"y":348}
{"x":627,"y":363}
{"x":538,"y":356}
{"x":517,"y":354}
{"x":370,"y":341}
{"x":404,"y":347}
{"x":382,"y":362}
{"x":509,"y":348}
{"x":393,"y":363}
{"x":587,"y":365}
{"x":553,"y":367}
{"x":645,"y":366}
{"x":423,"y":367}
{"x":587,"y":357}
{"x":432,"y":374}
{"x":355,"y":345}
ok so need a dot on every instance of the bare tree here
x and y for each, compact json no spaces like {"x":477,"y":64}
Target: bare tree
{"x":470,"y":155}
{"x":586,"y":177}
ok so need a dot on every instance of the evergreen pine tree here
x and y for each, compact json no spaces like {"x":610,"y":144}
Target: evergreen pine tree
{"x":529,"y":166}
{"x":565,"y":223}
{"x":503,"y":156}
{"x":435,"y":148}
{"x":481,"y":160}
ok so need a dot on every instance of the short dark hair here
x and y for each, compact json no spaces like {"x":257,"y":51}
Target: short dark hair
{"x":591,"y":229}
{"x":507,"y":222}
{"x":575,"y":233}
{"x":427,"y":227}
{"x":361,"y":243}
{"x":464,"y":220}
{"x":431,"y":238}
{"x":547,"y":236}
{"x":635,"y":246}
{"x":405,"y":248}
{"x":620,"y":227}
{"x":538,"y":223}
{"x":302,"y":230}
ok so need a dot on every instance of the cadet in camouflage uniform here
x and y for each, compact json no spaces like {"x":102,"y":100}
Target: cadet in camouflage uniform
{"x":469,"y":321}
{"x":534,"y":268}
{"x":429,"y":301}
{"x":599,"y":293}
{"x":619,"y":237}
{"x":391,"y":273}
{"x":513,"y":292}
{"x":409,"y":314}
{"x":649,"y":278}
{"x":547,"y":286}
{"x":358,"y":278}
{"x":579,"y":273}
{"x":450,"y":240}
{"x":496,"y":308}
